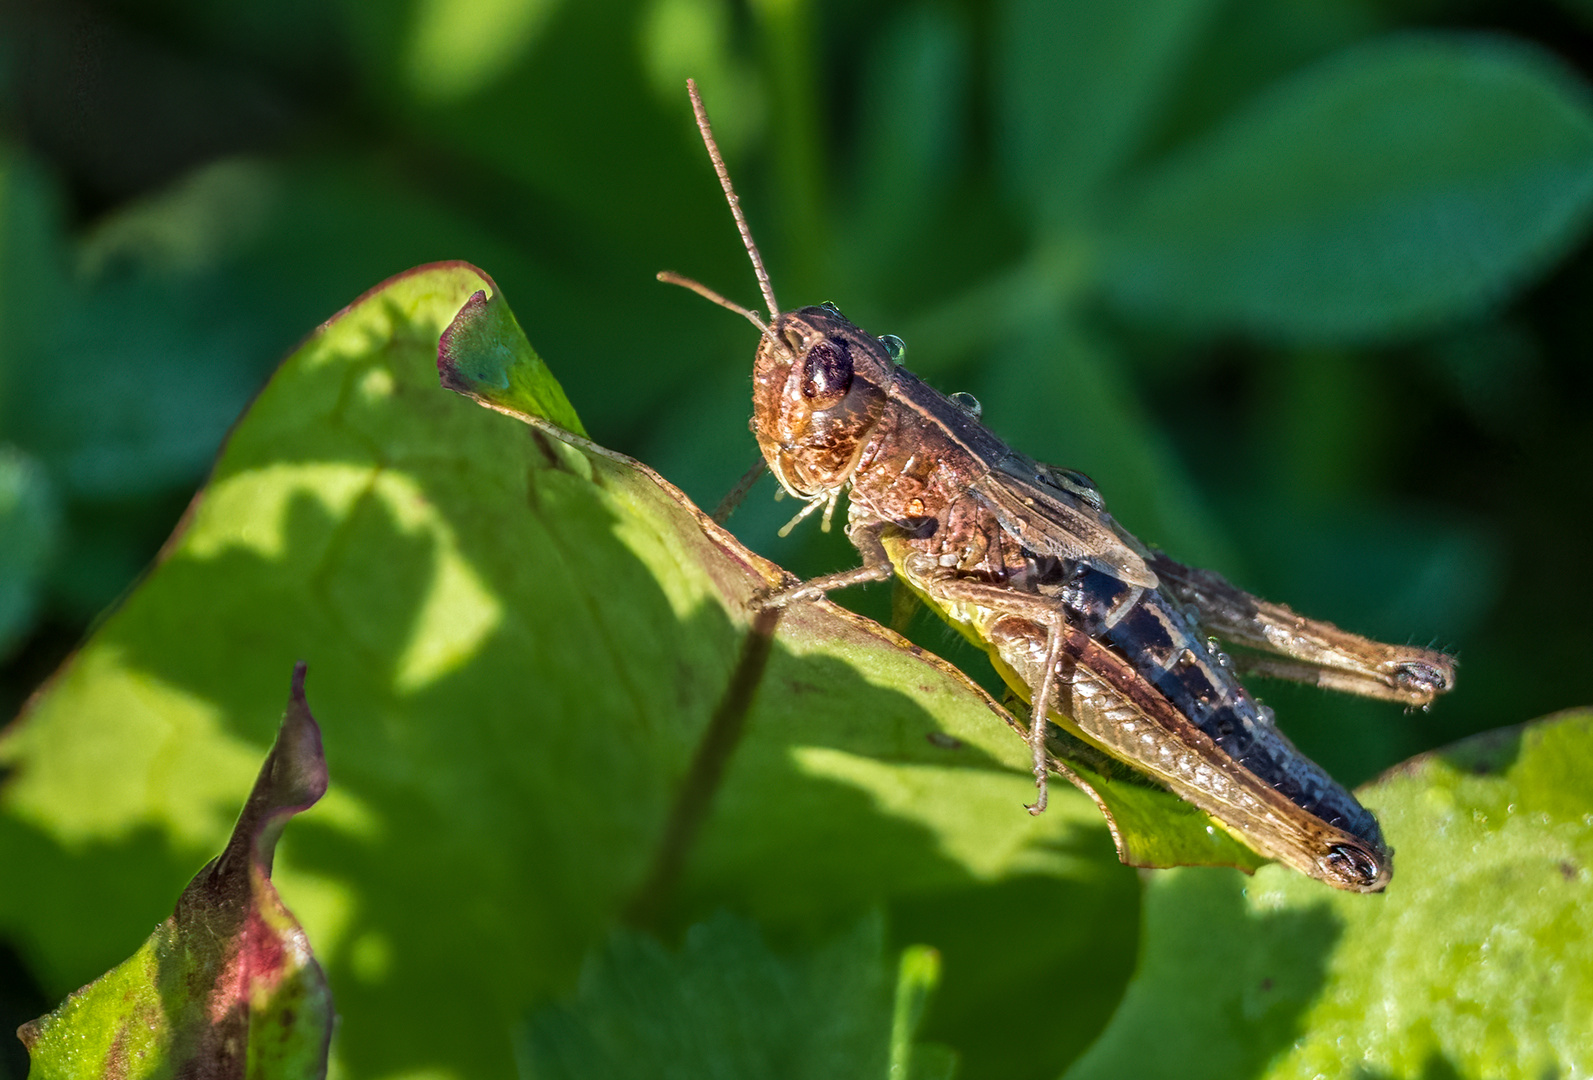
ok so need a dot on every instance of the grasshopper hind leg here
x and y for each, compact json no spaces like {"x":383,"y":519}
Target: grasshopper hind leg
{"x":1037,"y":613}
{"x":1285,"y":645}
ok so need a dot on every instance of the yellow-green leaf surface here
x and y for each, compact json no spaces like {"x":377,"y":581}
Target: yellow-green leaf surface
{"x":1476,"y":962}
{"x":226,"y":987}
{"x":517,"y":645}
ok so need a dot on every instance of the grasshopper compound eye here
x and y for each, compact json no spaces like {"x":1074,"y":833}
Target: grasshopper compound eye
{"x":1354,"y":865}
{"x":828,"y":374}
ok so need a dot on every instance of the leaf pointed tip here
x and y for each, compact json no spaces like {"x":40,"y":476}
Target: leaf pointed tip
{"x":295,"y":775}
{"x":454,"y":349}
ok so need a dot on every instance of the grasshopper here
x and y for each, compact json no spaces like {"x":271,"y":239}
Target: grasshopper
{"x":1098,"y":633}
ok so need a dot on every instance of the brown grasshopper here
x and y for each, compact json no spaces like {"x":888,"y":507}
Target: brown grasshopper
{"x":1101,"y":635}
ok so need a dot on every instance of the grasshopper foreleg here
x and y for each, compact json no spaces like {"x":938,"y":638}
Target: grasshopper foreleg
{"x":735,"y":495}
{"x":876,"y":567}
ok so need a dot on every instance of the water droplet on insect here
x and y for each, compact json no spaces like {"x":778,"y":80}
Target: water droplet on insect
{"x":968,"y":404}
{"x":895,"y":346}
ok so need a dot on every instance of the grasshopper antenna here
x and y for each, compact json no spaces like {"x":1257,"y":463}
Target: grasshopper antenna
{"x":733,"y":200}
{"x":672,"y":278}
{"x":669,"y":277}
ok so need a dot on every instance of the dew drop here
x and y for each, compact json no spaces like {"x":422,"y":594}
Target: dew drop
{"x":968,"y":404}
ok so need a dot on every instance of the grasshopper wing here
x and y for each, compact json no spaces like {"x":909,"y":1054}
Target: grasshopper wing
{"x":1055,"y":512}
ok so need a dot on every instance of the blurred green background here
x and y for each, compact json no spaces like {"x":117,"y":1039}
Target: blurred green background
{"x":1300,"y":283}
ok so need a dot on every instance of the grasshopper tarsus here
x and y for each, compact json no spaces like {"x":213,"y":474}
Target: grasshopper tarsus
{"x":817,"y":588}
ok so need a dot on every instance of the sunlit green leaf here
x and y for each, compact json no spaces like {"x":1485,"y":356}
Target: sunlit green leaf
{"x":1476,"y":962}
{"x":1392,"y":186}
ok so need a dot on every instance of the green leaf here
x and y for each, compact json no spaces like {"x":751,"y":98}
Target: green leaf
{"x":725,"y":1006}
{"x":1404,"y":182}
{"x":227,"y":985}
{"x":1476,"y":962}
{"x":30,"y":522}
{"x":1080,"y":83}
{"x":522,"y":640}
{"x":153,"y":381}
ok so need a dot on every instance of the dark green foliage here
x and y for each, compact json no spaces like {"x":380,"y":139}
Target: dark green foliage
{"x":724,"y":1008}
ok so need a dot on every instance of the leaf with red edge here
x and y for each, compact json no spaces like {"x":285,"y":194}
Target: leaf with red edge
{"x":227,"y":986}
{"x":485,"y":354}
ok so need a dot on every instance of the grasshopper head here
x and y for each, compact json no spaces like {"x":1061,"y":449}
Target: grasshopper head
{"x":820,"y":386}
{"x":819,"y":383}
